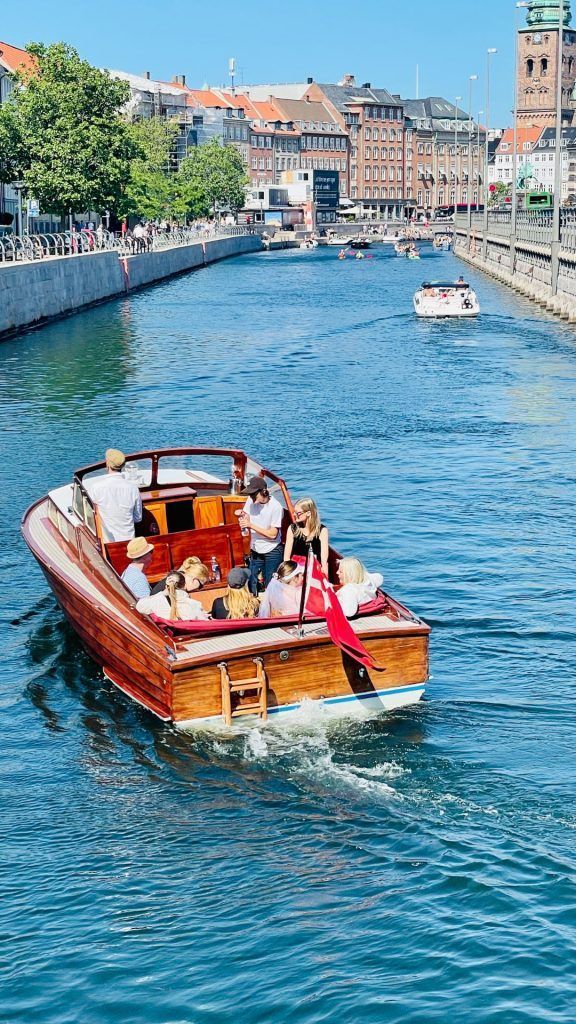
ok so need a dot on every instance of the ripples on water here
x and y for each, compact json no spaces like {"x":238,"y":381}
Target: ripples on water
{"x":413,"y":868}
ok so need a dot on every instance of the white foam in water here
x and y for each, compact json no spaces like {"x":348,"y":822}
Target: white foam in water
{"x":301,"y":749}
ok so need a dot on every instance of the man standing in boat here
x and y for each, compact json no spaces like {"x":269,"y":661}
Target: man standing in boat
{"x":118,"y":500}
{"x":262,"y":515}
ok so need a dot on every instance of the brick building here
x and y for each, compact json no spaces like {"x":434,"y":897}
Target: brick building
{"x":537,"y":59}
{"x":440,"y":143}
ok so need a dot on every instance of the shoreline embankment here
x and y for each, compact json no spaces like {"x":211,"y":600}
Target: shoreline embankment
{"x":34,"y":293}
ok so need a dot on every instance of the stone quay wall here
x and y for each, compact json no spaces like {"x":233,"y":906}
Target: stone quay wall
{"x":33,"y":293}
{"x":531,"y":272}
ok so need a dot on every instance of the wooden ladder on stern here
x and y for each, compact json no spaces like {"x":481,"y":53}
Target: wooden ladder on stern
{"x":257,"y":686}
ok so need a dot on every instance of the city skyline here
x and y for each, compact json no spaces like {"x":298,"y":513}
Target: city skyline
{"x":431,"y":47}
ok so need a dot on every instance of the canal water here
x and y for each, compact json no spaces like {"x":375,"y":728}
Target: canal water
{"x":415,"y":868}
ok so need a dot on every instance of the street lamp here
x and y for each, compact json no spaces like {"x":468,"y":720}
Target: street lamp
{"x":555,"y":249}
{"x":458,"y":98}
{"x":489,"y":54}
{"x":472,"y":78}
{"x":514,"y":214}
{"x":477,"y":179}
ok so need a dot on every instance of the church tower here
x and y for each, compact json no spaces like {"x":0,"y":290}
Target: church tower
{"x":538,"y":61}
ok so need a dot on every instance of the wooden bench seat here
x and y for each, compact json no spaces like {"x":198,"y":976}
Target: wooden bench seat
{"x":225,"y":543}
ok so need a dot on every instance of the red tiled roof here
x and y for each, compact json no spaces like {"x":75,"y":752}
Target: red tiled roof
{"x":15,"y":59}
{"x":525,"y":133}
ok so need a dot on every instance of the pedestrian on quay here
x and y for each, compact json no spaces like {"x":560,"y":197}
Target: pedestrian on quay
{"x":262,"y":515}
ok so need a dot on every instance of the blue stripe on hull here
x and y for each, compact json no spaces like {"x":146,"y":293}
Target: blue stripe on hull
{"x":369,"y":695}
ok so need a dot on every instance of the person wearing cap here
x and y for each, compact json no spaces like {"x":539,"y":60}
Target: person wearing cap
{"x":237,"y":602}
{"x":139,"y":553}
{"x":262,"y":515}
{"x":118,"y":500}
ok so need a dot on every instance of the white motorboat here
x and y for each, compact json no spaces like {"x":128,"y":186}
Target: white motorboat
{"x":338,"y":240}
{"x":446,"y":299}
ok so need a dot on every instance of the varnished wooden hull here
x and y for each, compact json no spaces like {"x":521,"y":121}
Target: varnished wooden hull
{"x":183,"y":683}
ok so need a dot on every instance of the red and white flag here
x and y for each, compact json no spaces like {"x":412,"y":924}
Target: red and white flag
{"x":321,"y":601}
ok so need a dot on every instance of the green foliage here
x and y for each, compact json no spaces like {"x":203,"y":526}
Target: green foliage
{"x":500,"y":192}
{"x":62,"y":134}
{"x":150,"y":188}
{"x":212,"y":177}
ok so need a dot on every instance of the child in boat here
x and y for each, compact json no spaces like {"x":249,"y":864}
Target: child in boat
{"x":237,"y":602}
{"x":283,"y":593}
{"x":173,"y":603}
{"x":358,"y":585}
{"x":307,"y":531}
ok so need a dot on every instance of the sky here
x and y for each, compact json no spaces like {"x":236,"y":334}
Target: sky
{"x":379,"y":41}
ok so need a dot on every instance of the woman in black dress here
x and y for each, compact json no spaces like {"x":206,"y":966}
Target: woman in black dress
{"x":307,"y":532}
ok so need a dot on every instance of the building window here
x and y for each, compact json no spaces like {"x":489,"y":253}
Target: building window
{"x":452,"y":196}
{"x":254,"y":163}
{"x":367,"y":193}
{"x":441,"y":197}
{"x":398,"y":154}
{"x":420,"y":149}
{"x":367,"y":135}
{"x":375,"y":174}
{"x":392,"y":135}
{"x":261,"y":164}
{"x":376,"y":153}
{"x":375,"y":135}
{"x":409,"y":174}
{"x":383,"y":136}
{"x":529,"y":67}
{"x":366,"y":174}
{"x":428,"y":149}
{"x":354,"y":192}
{"x":419,"y":197}
{"x":383,"y":174}
{"x":367,"y":153}
{"x":544,"y":66}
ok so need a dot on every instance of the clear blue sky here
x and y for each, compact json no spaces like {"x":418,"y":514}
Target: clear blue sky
{"x":380,"y":41}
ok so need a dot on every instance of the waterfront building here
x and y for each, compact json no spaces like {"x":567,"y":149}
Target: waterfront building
{"x":537,"y":59}
{"x":323,"y":141}
{"x":444,"y":155}
{"x":527,"y":137}
{"x":152,"y":98}
{"x":543,"y":162}
{"x":374,"y":120}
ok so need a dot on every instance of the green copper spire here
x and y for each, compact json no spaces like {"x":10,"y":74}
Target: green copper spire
{"x":546,"y":14}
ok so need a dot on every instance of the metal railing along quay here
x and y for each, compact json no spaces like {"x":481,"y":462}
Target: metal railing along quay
{"x":26,"y":248}
{"x":531,"y":226}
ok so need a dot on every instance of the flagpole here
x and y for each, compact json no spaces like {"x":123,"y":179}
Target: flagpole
{"x":303,"y":595}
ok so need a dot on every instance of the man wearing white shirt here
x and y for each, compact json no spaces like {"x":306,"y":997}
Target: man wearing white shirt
{"x":262,"y":515}
{"x":118,"y":500}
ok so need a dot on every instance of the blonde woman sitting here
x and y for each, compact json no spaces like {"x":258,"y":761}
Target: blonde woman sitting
{"x":307,"y":532}
{"x":173,"y":603}
{"x":237,"y":602}
{"x":358,"y":585}
{"x":283,"y":593}
{"x":195,"y":572}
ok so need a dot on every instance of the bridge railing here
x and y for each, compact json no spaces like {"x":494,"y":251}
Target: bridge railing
{"x":27,"y":248}
{"x":531,"y":225}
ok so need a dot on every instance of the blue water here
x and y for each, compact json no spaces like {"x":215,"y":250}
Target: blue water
{"x":416,"y":868}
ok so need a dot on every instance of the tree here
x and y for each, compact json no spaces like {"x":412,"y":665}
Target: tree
{"x":150,"y":188}
{"x":62,"y":134}
{"x":212,"y":176}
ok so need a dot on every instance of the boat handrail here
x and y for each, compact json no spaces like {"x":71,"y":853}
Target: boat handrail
{"x":239,"y":457}
{"x":156,"y":454}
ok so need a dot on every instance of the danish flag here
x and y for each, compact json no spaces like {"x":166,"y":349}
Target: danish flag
{"x":321,"y":601}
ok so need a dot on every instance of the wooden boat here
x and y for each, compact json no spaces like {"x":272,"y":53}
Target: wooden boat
{"x":438,"y":299}
{"x":210,"y":670}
